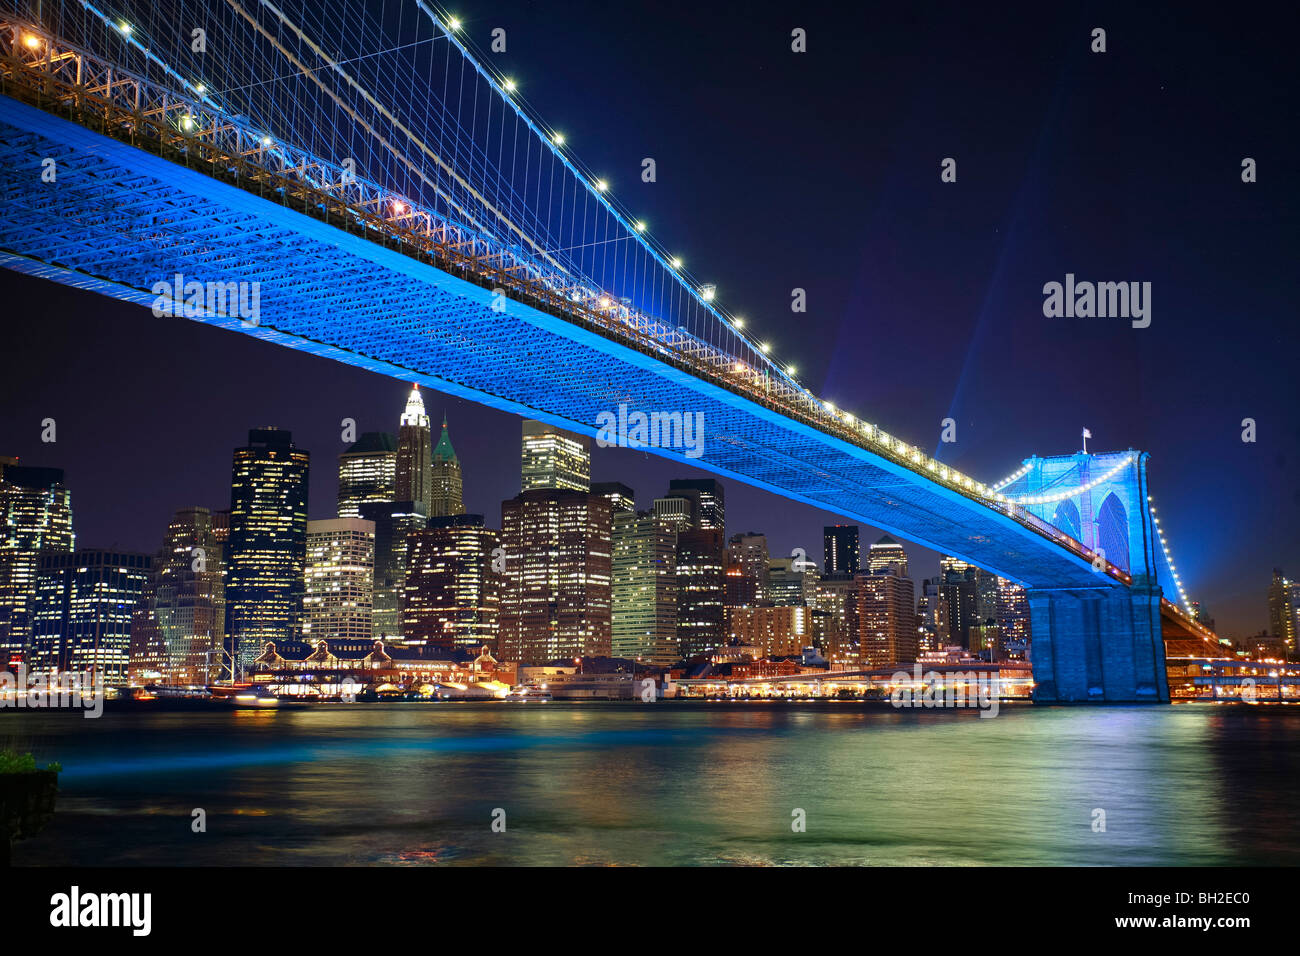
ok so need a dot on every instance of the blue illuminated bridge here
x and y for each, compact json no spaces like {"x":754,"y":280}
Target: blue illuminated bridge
{"x":362,"y":187}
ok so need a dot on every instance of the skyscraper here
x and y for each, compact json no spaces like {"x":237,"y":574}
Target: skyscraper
{"x":887,"y":626}
{"x":268,"y":542}
{"x":35,"y":519}
{"x":186,"y":602}
{"x":701,"y":590}
{"x":747,"y":569}
{"x":957,"y":590}
{"x":554,"y":458}
{"x":556,"y":598}
{"x":840,"y":550}
{"x":621,"y":498}
{"x":1282,"y":610}
{"x":707,"y":497}
{"x":415,"y":454}
{"x":446,"y":495}
{"x":452,"y":592}
{"x":367,"y":472}
{"x":644,"y":595}
{"x":887,"y":631}
{"x":339,"y":593}
{"x":394,"y":522}
{"x":885,"y":555}
{"x":81,"y":618}
{"x":792,"y":581}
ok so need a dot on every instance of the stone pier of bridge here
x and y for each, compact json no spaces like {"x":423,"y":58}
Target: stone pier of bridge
{"x":1098,"y":646}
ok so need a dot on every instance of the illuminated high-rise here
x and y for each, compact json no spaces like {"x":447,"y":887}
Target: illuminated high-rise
{"x":644,"y":595}
{"x":178,"y":633}
{"x":556,"y":598}
{"x":840,"y":553}
{"x":35,"y":519}
{"x":452,"y":591}
{"x":337,"y":599}
{"x":84,"y":604}
{"x":886,"y":599}
{"x":708,"y":500}
{"x":701,"y":590}
{"x":394,"y":522}
{"x":367,"y":473}
{"x":446,"y":488}
{"x":553,"y":458}
{"x":415,"y":454}
{"x":268,"y":542}
{"x":747,"y":569}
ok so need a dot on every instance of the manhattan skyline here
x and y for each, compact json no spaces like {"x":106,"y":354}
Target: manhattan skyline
{"x":924,"y":297}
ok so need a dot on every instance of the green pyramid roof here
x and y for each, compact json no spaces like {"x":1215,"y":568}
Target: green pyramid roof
{"x":443,"y":450}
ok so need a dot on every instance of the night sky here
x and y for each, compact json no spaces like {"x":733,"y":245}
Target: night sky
{"x":821,"y":171}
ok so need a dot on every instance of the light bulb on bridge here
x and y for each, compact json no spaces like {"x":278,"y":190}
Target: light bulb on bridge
{"x":31,"y":41}
{"x":764,"y":347}
{"x":558,"y":139}
{"x":601,"y":185}
{"x":675,"y":263}
{"x":200,"y":89}
{"x":510,"y":86}
{"x":453,"y":23}
{"x":125,"y":28}
{"x":640,"y":226}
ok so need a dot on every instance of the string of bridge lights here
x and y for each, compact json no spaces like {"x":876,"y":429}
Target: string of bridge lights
{"x":1164,"y":546}
{"x":1071,"y":492}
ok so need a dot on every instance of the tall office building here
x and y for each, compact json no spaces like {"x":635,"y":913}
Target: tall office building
{"x":792,"y":581}
{"x":644,"y":593}
{"x":394,"y":522}
{"x":35,"y":519}
{"x":887,"y":629}
{"x":701,"y":590}
{"x":675,"y":512}
{"x":707,"y":497}
{"x":621,"y":498}
{"x":887,"y":625}
{"x":887,"y":555}
{"x":84,"y":604}
{"x":268,"y":543}
{"x":1282,"y":610}
{"x":835,"y":620}
{"x":556,"y":598}
{"x":932,"y":616}
{"x":182,"y":618}
{"x":415,"y":454}
{"x":1013,"y":618}
{"x":840,"y":550}
{"x":446,"y":494}
{"x":367,"y":472}
{"x":553,"y":458}
{"x":747,"y":569}
{"x":339,"y":593}
{"x":452,"y":592}
{"x":957,"y":590}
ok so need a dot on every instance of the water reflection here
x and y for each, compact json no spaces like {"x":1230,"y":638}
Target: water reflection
{"x":671,"y":784}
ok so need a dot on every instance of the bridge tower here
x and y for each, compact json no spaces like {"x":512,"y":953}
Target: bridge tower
{"x":1102,"y":643}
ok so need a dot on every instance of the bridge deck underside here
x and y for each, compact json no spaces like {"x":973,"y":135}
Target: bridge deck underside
{"x":118,"y":220}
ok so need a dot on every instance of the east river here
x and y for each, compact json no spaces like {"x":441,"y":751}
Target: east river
{"x":668,"y":783}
